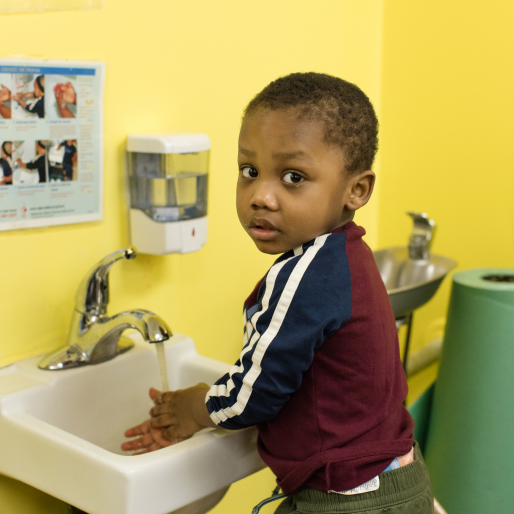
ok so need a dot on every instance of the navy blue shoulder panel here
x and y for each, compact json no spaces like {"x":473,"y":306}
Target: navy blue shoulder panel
{"x":302,"y":300}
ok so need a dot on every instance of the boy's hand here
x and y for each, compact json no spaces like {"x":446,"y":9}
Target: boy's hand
{"x":150,"y":441}
{"x":182,"y":413}
{"x":176,"y":416}
{"x":151,"y":438}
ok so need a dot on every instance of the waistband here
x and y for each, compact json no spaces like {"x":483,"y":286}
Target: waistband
{"x":396,"y":486}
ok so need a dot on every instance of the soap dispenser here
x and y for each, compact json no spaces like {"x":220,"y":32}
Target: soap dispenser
{"x":167,"y":186}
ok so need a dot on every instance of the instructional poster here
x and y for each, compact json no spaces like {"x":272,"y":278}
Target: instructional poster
{"x":51,"y":135}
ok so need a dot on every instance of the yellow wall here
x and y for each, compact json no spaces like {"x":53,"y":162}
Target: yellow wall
{"x":446,"y":138}
{"x":438,"y":72}
{"x":189,"y":66}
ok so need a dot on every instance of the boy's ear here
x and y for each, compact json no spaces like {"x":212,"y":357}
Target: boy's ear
{"x":360,"y":189}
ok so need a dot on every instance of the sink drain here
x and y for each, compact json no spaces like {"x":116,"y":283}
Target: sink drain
{"x":499,"y":278}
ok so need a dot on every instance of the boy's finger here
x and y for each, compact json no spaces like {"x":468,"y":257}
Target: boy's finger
{"x":169,"y":434}
{"x":141,"y":453}
{"x":165,"y":397}
{"x":160,"y":409}
{"x":143,"y":442}
{"x":151,"y":448}
{"x":141,"y":429}
{"x":163,"y":421}
{"x":154,"y":393}
{"x":136,"y":444}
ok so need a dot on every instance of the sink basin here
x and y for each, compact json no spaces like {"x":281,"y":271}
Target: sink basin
{"x":62,"y":430}
{"x":410,"y":283}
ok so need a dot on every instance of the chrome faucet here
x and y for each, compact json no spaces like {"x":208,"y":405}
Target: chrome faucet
{"x":421,"y":237}
{"x":94,"y":337}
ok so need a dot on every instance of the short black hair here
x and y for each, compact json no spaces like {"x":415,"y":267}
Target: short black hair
{"x":345,"y":111}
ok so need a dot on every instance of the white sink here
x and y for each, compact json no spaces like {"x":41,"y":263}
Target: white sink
{"x":61,"y":432}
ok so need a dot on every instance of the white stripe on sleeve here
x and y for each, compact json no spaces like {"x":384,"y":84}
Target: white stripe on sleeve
{"x":222,"y":389}
{"x":269,"y":334}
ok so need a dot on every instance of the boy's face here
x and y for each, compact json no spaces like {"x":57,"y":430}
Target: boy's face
{"x":292,"y":186}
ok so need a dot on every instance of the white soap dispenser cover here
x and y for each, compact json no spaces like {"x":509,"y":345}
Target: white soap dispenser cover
{"x":148,"y":189}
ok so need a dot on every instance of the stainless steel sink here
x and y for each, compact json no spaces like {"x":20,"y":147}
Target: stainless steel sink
{"x":410,"y":283}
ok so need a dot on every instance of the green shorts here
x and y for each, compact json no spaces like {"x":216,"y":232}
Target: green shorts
{"x":406,"y":490}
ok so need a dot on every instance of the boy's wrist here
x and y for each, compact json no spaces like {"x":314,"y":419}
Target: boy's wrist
{"x":200,"y":412}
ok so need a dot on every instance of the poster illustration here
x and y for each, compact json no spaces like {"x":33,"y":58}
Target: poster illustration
{"x":51,"y":142}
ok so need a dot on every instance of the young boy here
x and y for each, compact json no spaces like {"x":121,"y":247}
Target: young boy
{"x":320,"y":372}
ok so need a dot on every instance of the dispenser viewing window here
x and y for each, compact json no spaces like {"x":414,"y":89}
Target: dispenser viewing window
{"x":168,"y":182}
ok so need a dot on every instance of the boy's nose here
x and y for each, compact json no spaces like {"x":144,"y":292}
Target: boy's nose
{"x":264,"y":197}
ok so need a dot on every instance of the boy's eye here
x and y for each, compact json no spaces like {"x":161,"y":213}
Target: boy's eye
{"x":249,"y":172}
{"x":291,"y":177}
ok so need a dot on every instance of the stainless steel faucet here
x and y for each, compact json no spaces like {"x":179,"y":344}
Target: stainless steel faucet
{"x":94,"y":337}
{"x":421,"y":237}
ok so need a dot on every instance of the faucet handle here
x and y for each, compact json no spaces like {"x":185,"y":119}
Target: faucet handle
{"x":422,"y":235}
{"x":92,"y":295}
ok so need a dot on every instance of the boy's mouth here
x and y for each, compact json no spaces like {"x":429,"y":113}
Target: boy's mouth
{"x":263,"y":229}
